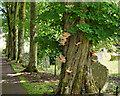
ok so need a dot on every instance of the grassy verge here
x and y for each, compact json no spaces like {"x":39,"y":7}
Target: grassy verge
{"x":114,"y":78}
{"x":111,"y":65}
{"x":50,"y":69}
{"x":34,"y":88}
{"x":37,"y":88}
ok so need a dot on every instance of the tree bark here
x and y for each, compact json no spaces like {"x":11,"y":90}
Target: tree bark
{"x":9,"y":7}
{"x":15,"y":31}
{"x":33,"y":34}
{"x":9,"y":36}
{"x":21,"y":31}
{"x":76,"y":75}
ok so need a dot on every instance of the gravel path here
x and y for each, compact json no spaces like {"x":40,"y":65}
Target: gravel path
{"x":11,"y":85}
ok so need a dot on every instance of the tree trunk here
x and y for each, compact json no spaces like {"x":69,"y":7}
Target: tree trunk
{"x":76,"y":75}
{"x":33,"y":34}
{"x":9,"y":33}
{"x":11,"y":46}
{"x":6,"y":49}
{"x":15,"y":29}
{"x":21,"y":31}
{"x":12,"y":23}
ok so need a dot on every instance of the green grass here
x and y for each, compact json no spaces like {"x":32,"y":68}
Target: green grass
{"x":37,"y":76}
{"x":34,"y":88}
{"x":115,"y":75}
{"x":50,"y":69}
{"x":3,"y":55}
{"x":37,"y":88}
{"x":14,"y":65}
{"x":1,"y":49}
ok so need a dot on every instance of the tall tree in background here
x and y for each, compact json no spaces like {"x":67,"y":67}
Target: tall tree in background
{"x":21,"y":31}
{"x":11,"y":14}
{"x":10,"y":7}
{"x":15,"y":29}
{"x":33,"y":34}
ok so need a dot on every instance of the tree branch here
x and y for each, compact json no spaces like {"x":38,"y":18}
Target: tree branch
{"x":5,"y":13}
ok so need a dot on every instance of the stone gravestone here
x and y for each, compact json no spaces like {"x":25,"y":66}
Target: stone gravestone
{"x":100,"y":73}
{"x":46,"y":62}
{"x":25,"y":58}
{"x":58,"y":64}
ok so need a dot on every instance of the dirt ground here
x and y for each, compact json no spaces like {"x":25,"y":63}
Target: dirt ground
{"x":40,"y":77}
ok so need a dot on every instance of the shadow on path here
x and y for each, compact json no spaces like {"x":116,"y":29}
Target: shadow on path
{"x":11,"y":85}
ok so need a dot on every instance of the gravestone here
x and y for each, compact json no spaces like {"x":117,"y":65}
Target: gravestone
{"x":46,"y":62}
{"x":58,"y":64}
{"x":25,"y":58}
{"x":100,"y":73}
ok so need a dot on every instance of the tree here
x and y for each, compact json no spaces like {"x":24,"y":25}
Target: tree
{"x":4,"y":22}
{"x":76,"y":74}
{"x":10,"y":7}
{"x":21,"y":31}
{"x":33,"y":35}
{"x":15,"y":29}
{"x":11,"y":14}
{"x":76,"y":71}
{"x":83,"y":24}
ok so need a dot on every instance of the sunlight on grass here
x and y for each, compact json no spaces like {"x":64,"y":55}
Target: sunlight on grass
{"x":50,"y":69}
{"x":34,"y":88}
{"x":12,"y":75}
{"x":38,"y":88}
{"x":14,"y":65}
{"x":111,"y":65}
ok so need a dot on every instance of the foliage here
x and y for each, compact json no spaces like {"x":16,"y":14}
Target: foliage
{"x":101,"y":19}
{"x":48,"y":34}
{"x":27,"y":22}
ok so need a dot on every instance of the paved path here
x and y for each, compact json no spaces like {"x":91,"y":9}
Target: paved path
{"x":11,"y":85}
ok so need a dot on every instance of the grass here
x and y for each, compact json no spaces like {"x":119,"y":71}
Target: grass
{"x":113,"y":72}
{"x":45,"y":87}
{"x":38,"y":76}
{"x":3,"y":55}
{"x":111,"y":65}
{"x":50,"y":69}
{"x":34,"y":88}
{"x":37,"y":88}
{"x":15,"y":65}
